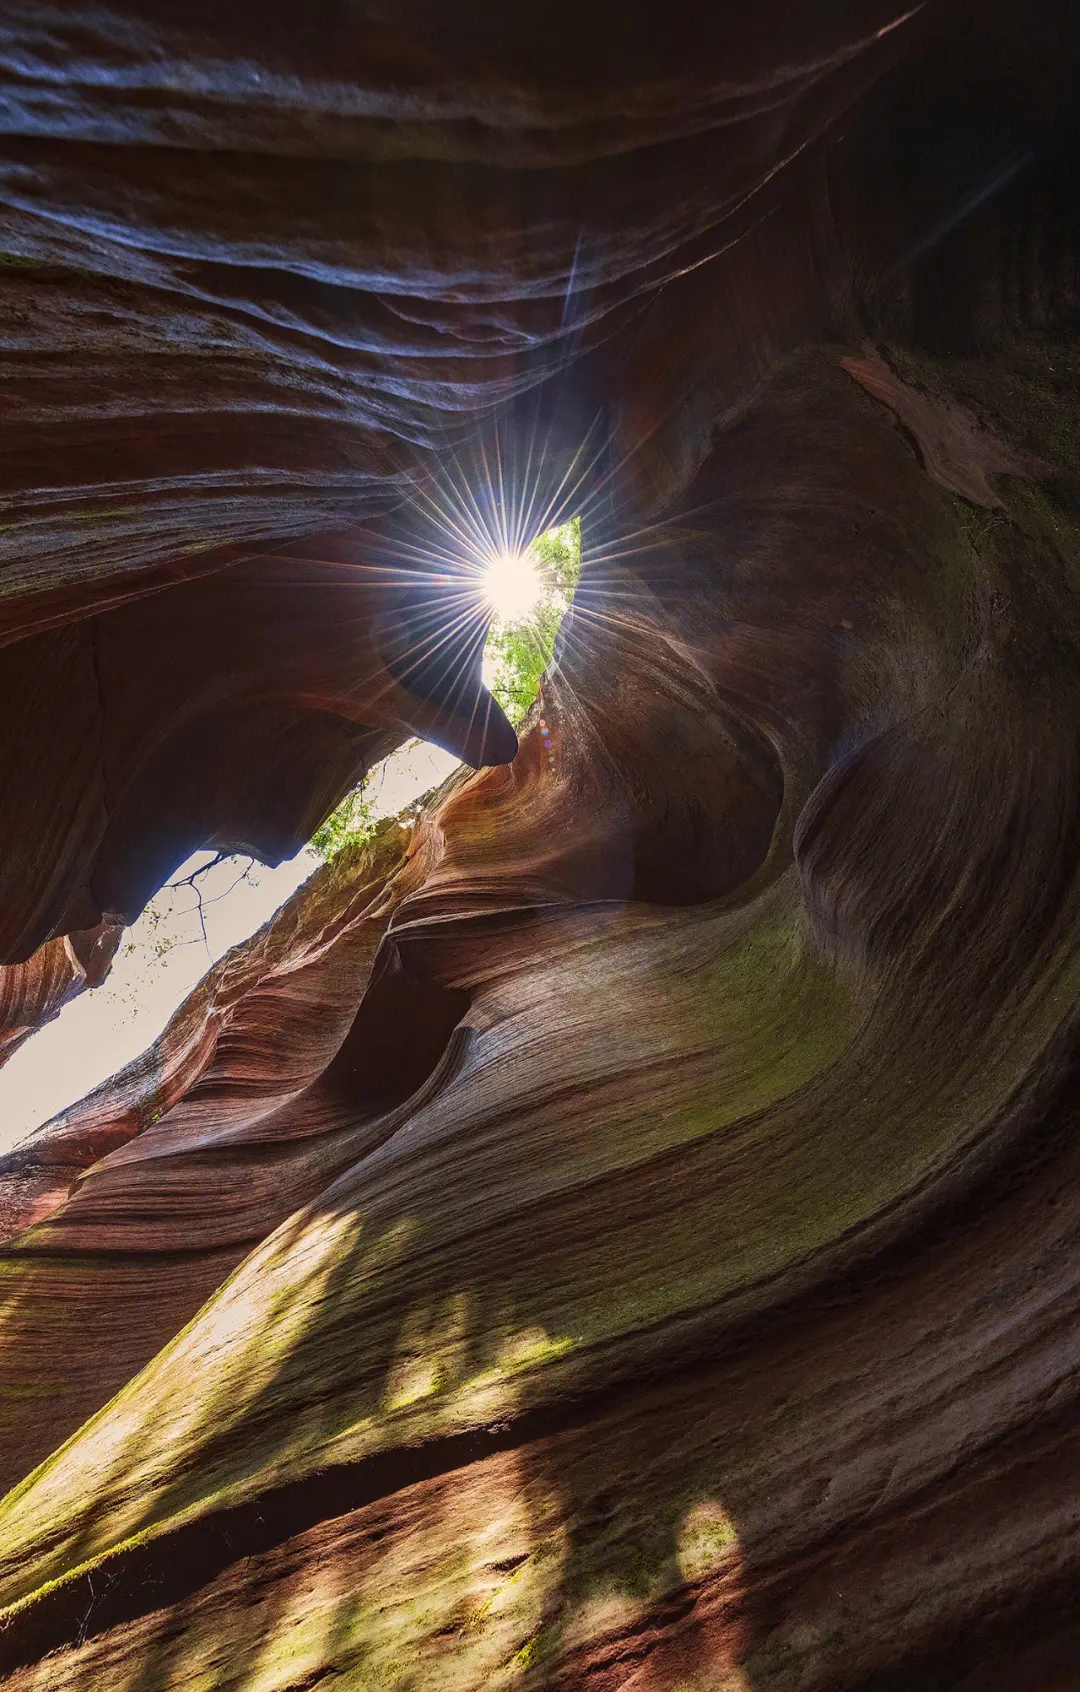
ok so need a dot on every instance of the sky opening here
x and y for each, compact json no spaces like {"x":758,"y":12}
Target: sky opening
{"x":210,"y":906}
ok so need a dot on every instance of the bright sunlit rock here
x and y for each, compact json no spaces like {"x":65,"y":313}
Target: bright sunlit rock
{"x":512,"y":586}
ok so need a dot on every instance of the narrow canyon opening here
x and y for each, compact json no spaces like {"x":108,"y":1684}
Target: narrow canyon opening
{"x":607,"y":1218}
{"x":216,"y":901}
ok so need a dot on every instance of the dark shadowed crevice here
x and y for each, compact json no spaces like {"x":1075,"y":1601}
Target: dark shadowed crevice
{"x":401,"y":1031}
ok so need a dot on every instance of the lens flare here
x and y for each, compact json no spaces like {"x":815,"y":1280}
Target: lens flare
{"x":512,"y":586}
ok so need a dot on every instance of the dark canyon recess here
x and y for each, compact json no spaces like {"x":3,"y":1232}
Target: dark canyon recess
{"x":623,"y":1232}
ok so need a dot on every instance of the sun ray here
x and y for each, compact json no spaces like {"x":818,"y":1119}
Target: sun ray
{"x":512,"y":586}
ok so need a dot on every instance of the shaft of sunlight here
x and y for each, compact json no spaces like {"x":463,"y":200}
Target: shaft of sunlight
{"x":512,"y":585}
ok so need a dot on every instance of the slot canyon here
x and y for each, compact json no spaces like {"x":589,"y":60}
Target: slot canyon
{"x":620,"y":1232}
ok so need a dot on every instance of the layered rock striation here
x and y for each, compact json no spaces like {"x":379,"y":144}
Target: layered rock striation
{"x":619,"y":1232}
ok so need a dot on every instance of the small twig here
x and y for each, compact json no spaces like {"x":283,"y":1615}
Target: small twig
{"x":196,"y":875}
{"x":193,"y":881}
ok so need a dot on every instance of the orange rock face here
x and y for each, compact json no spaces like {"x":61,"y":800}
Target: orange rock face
{"x":620,"y":1234}
{"x":33,"y":992}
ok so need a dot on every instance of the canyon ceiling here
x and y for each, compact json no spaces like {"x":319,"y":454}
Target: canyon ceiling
{"x":623,"y":1232}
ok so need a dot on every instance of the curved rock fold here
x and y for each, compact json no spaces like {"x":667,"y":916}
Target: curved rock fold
{"x":619,"y":1231}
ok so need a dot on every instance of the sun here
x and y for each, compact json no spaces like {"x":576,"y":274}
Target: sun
{"x":511,"y":586}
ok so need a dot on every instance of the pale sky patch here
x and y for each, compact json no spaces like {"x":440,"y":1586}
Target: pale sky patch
{"x":163,"y":956}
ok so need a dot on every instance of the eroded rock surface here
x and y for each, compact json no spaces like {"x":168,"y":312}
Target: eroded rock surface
{"x":621,"y":1233}
{"x":34,"y":992}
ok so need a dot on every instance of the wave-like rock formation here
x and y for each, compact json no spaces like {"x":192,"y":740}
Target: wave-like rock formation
{"x":36,"y":991}
{"x":621,"y":1232}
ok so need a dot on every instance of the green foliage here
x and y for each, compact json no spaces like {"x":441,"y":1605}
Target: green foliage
{"x":518,"y":653}
{"x":515,"y":657}
{"x":352,"y":824}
